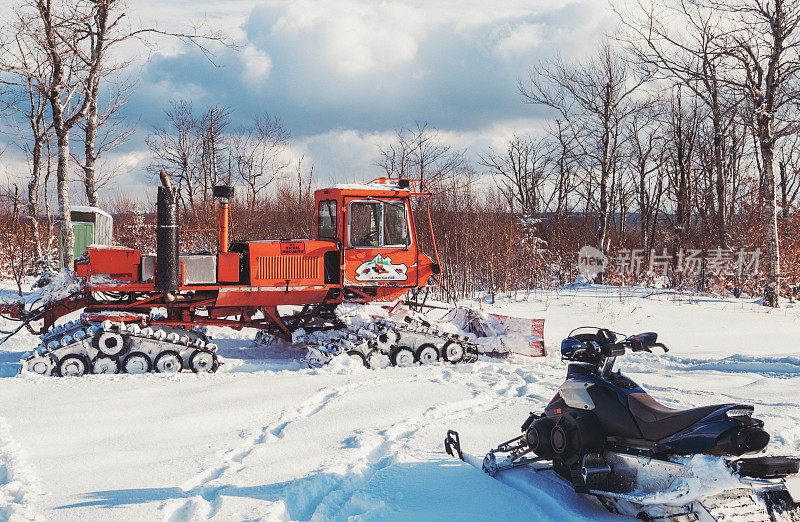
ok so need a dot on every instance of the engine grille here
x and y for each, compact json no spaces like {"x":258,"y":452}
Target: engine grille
{"x":288,"y":267}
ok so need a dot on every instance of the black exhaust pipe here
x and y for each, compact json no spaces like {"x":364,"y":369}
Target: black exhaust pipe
{"x":167,"y":277}
{"x":746,"y":439}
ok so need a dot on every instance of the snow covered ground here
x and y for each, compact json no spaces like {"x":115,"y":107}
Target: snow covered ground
{"x":265,"y":438}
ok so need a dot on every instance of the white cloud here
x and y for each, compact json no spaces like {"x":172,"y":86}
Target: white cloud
{"x":519,"y":38}
{"x":257,"y":65}
{"x":348,"y":37}
{"x":342,"y":74}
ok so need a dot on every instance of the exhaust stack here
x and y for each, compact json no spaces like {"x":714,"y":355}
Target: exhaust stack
{"x":167,"y":277}
{"x":224,"y":193}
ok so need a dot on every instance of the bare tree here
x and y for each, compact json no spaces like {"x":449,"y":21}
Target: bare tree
{"x":564,"y":159}
{"x":678,"y":156}
{"x":260,"y":154}
{"x":76,"y":38}
{"x":419,"y":153}
{"x":211,"y":134}
{"x":59,"y":36}
{"x":176,"y":149}
{"x":26,"y":105}
{"x":788,"y":153}
{"x":595,"y":99}
{"x":103,"y":130}
{"x":644,"y":163}
{"x":104,"y":25}
{"x":523,"y":170}
{"x":765,"y":43}
{"x":13,"y":244}
{"x":683,"y":43}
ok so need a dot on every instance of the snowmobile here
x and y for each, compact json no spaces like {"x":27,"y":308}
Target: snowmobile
{"x":605,"y":436}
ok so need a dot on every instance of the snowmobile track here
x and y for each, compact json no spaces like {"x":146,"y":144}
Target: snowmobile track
{"x":201,"y":490}
{"x":324,"y":494}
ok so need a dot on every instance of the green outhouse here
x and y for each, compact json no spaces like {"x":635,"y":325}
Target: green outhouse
{"x":91,"y":226}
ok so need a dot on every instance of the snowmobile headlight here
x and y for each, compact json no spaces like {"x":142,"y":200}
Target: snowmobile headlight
{"x":739,"y":411}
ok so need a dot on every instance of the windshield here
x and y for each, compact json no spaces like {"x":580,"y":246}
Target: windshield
{"x":364,"y":222}
{"x":378,"y":224}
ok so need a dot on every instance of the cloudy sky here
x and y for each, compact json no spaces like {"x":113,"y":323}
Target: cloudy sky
{"x":343,"y":74}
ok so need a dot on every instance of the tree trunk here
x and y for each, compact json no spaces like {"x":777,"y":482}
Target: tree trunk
{"x":89,"y":182}
{"x":602,"y":228}
{"x":784,"y":190}
{"x":33,"y":197}
{"x":64,"y":208}
{"x":722,"y":235}
{"x":772,"y":254}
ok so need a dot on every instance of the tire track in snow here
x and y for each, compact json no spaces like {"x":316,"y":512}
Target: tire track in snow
{"x":775,"y":366}
{"x":323,"y":498}
{"x":491,"y":386}
{"x":381,"y":448}
{"x":18,"y":486}
{"x":203,"y":495}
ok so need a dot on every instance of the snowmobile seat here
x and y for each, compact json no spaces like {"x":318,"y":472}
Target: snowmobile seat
{"x":657,"y":421}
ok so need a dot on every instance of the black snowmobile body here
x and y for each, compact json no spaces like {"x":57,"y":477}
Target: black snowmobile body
{"x":598,"y":409}
{"x":602,"y":428}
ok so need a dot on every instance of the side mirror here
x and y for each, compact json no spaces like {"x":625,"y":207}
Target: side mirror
{"x":606,"y":336}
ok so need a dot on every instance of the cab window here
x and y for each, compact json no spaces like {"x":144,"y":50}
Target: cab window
{"x":395,"y":224}
{"x":364,"y":224}
{"x":378,"y":224}
{"x":327,"y":219}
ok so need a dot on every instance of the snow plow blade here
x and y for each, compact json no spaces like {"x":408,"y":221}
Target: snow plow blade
{"x":503,"y":334}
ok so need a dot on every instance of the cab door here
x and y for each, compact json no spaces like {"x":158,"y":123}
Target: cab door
{"x":380,"y":249}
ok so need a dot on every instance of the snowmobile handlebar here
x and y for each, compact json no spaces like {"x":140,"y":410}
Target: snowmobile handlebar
{"x":595,"y":347}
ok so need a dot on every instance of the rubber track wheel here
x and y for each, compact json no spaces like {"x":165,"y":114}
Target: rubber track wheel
{"x":132,"y":354}
{"x":356,"y":353}
{"x":457,"y":359}
{"x":214,"y":364}
{"x":99,"y":357}
{"x":164,"y":354}
{"x":423,"y":347}
{"x":126,"y":343}
{"x":397,"y":351}
{"x":63,"y":362}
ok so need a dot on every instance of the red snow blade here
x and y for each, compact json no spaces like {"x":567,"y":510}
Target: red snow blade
{"x":519,"y":336}
{"x":533,"y":329}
